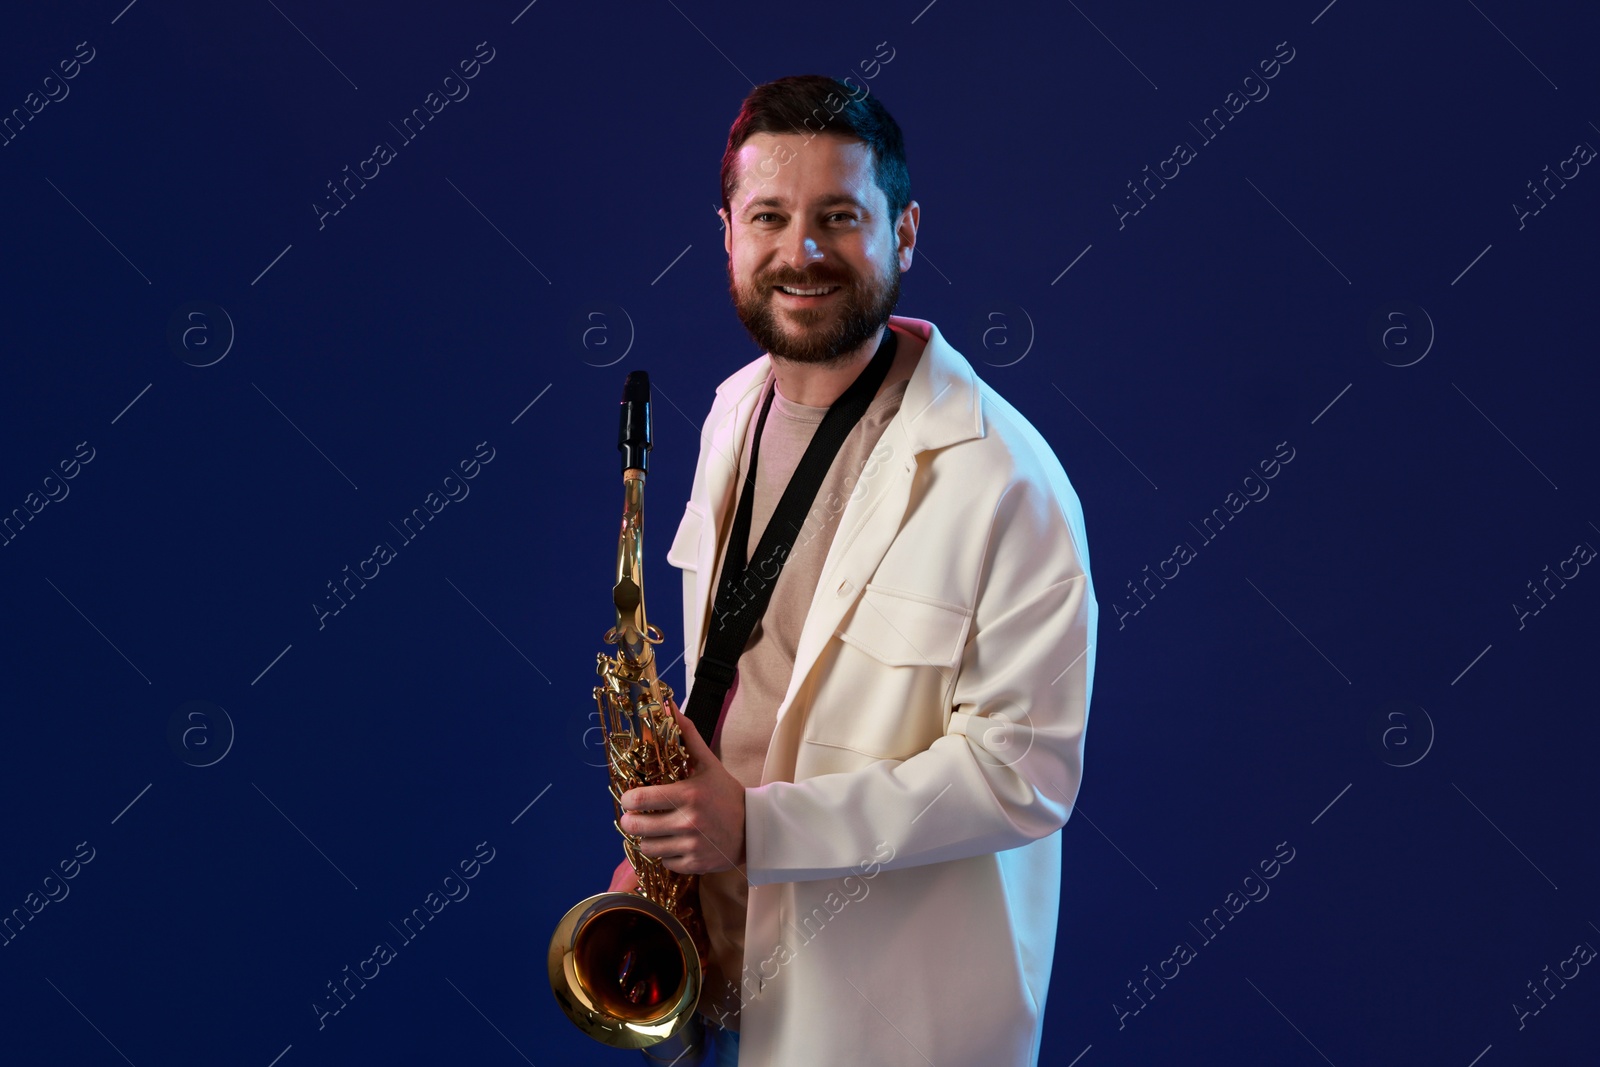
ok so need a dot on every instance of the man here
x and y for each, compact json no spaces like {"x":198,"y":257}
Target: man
{"x":876,"y":817}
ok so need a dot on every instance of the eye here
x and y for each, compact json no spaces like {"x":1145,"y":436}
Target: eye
{"x":842,"y":214}
{"x":764,"y":215}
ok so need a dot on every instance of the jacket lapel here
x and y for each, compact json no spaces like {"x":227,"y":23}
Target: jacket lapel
{"x":940,"y":407}
{"x":727,"y":438}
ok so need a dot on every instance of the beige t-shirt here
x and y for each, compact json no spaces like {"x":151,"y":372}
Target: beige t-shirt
{"x":749,"y":713}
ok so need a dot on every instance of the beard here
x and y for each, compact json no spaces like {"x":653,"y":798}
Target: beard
{"x":822,"y":335}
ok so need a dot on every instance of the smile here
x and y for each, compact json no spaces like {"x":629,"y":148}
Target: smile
{"x":807,"y":295}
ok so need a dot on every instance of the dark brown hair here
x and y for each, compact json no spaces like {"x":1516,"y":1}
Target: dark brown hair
{"x":810,"y":104}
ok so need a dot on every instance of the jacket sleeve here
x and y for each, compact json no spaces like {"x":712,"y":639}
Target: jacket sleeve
{"x":1007,"y":768}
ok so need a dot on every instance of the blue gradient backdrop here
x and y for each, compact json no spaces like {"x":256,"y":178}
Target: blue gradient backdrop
{"x":1352,"y":669}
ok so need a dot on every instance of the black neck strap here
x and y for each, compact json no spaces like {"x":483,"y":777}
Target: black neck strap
{"x":745,"y":588}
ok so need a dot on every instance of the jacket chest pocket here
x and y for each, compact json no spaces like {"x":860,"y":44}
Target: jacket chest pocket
{"x":887,"y":688}
{"x":906,"y":630}
{"x":685,"y":550}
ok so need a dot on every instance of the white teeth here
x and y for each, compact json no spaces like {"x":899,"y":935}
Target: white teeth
{"x":807,"y":292}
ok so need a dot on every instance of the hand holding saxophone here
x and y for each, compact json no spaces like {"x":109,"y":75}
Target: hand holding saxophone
{"x":695,"y":825}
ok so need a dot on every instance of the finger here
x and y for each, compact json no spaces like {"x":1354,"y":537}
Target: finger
{"x":644,"y":799}
{"x":644,"y":825}
{"x":668,"y":850}
{"x":649,"y":798}
{"x":688,"y":862}
{"x":678,"y":819}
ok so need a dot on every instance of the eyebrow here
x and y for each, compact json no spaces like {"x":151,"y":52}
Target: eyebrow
{"x":825,"y":201}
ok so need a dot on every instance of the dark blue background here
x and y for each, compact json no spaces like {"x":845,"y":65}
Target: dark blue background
{"x":575,"y":187}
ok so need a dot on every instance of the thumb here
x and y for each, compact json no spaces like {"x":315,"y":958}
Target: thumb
{"x":691,"y":737}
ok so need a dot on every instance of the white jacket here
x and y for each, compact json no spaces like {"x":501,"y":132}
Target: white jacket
{"x":904,"y":847}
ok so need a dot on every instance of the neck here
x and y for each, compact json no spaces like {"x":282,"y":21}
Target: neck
{"x":817,"y":385}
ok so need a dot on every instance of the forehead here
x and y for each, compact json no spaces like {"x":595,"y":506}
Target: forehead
{"x":798,"y":171}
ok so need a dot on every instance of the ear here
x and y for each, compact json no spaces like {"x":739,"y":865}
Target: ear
{"x":906,"y":233}
{"x":727,"y":230}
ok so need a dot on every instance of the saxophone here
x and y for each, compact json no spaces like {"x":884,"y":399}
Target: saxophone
{"x":627,"y":968}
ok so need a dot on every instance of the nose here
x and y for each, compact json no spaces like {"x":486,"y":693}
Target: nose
{"x":802,"y":248}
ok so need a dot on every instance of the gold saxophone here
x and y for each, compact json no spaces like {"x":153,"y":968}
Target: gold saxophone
{"x":627,"y":967}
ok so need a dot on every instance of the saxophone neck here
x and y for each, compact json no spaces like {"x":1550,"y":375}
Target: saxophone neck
{"x":628,"y":593}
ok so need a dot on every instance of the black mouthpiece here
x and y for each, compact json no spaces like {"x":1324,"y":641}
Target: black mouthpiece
{"x":633,"y":434}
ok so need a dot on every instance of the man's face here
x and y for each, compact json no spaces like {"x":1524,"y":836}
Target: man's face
{"x":808,"y":215}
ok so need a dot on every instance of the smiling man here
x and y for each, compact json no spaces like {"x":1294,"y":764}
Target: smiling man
{"x":889,"y":631}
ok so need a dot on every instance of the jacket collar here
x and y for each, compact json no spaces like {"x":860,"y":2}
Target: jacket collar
{"x":941,"y":403}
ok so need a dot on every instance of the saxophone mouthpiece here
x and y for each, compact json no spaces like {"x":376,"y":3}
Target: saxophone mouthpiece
{"x":633,"y":433}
